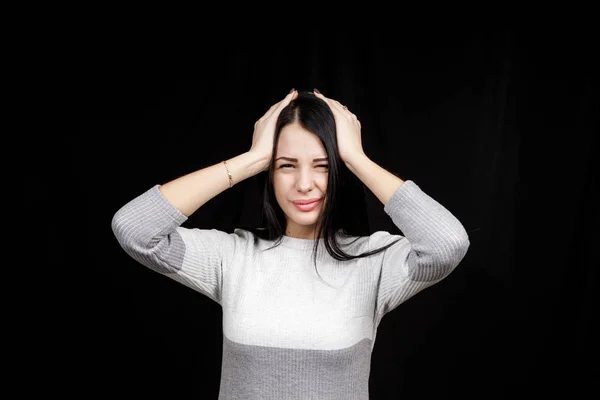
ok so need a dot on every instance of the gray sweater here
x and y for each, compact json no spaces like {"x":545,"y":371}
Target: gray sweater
{"x":287,"y":334}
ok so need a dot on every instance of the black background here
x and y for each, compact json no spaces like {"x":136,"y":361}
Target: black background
{"x":496,"y":121}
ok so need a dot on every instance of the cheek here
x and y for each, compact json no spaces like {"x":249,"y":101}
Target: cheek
{"x":279,"y":187}
{"x":323,"y":182}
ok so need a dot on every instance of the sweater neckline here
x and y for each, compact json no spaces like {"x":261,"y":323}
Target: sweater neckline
{"x":307,"y":244}
{"x":302,"y":244}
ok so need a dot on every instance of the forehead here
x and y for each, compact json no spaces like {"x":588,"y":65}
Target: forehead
{"x":295,"y":141}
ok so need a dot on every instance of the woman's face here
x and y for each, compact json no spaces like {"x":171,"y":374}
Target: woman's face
{"x":300,"y":175}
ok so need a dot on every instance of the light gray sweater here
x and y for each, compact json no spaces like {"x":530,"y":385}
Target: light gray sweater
{"x":286,"y":334}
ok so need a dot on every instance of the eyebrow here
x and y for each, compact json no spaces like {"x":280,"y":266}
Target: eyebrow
{"x":296,"y":160}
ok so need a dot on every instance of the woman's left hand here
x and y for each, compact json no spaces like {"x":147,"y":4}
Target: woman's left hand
{"x":347,"y":127}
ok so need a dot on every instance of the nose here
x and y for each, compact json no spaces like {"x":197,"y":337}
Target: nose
{"x":305,"y":181}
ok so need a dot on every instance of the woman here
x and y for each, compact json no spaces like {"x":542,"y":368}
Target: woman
{"x":291,"y":330}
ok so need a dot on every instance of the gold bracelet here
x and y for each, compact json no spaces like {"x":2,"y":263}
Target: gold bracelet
{"x":228,"y":173}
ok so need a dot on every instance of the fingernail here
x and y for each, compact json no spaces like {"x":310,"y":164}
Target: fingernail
{"x":291,"y":91}
{"x":316,"y":90}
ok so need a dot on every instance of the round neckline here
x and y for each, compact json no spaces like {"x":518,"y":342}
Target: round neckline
{"x":298,"y":243}
{"x":308,"y":244}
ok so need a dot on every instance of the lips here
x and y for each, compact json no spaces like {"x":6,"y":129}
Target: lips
{"x":306,"y":205}
{"x":303,"y":202}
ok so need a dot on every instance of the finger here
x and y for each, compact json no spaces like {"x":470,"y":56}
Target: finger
{"x":277,"y":107}
{"x":333,"y":104}
{"x":288,"y":99}
{"x":343,"y":109}
{"x":322,"y":97}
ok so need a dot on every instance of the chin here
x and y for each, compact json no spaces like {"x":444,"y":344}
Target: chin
{"x":306,"y":221}
{"x":307,"y":224}
{"x":303,"y":220}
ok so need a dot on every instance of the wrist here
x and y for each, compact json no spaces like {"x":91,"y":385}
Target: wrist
{"x":260,"y":161}
{"x":354,"y":159}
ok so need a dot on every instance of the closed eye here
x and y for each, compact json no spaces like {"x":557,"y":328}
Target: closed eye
{"x":290,"y":165}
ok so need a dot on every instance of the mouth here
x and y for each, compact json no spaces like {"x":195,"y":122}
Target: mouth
{"x":307,"y":205}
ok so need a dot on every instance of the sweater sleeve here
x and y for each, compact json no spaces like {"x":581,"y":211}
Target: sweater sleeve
{"x":149,"y":229}
{"x":434,"y":243}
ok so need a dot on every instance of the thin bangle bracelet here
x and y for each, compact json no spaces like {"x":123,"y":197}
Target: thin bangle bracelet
{"x":229,"y":174}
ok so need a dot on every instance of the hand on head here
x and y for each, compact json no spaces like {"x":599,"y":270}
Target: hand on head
{"x":264,"y":128}
{"x":348,"y":128}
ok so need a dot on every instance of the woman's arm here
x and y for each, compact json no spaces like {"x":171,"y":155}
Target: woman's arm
{"x":382,"y":183}
{"x":191,"y":191}
{"x":148,"y":227}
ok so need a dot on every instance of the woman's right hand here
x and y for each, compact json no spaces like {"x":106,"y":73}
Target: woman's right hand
{"x":264,"y":128}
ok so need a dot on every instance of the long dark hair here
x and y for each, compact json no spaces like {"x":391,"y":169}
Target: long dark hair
{"x":345,"y":208}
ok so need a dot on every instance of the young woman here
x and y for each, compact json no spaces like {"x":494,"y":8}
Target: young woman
{"x":303,"y":295}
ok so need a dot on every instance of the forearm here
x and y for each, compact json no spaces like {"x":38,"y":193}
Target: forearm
{"x":382,"y":183}
{"x":189,"y":192}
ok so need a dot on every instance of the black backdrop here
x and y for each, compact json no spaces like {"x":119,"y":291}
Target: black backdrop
{"x":496,"y":122}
